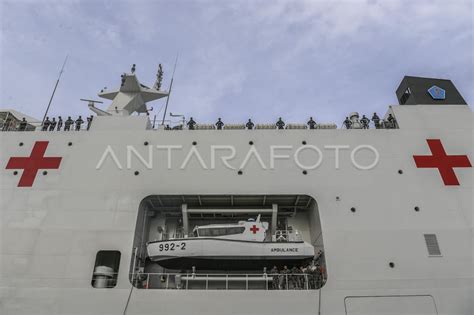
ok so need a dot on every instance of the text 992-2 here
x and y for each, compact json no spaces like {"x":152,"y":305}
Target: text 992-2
{"x":171,"y":246}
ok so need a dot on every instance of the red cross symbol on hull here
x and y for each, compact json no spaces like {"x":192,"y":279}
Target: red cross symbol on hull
{"x":443,"y":162}
{"x":33,"y":163}
{"x":254,"y":229}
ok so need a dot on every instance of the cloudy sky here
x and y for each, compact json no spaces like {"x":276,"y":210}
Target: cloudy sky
{"x":237,"y":58}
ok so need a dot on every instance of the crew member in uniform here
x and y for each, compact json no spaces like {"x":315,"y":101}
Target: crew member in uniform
{"x":89,"y":122}
{"x":219,"y":124}
{"x":275,"y":282}
{"x":294,"y":278}
{"x":249,"y":125}
{"x":312,"y":270}
{"x":123,"y":79}
{"x":311,"y":123}
{"x":60,"y":123}
{"x":303,"y":277}
{"x":280,"y":124}
{"x":46,"y":124}
{"x":347,"y":123}
{"x":391,"y":120}
{"x":23,"y":124}
{"x":191,"y":124}
{"x":365,"y":122}
{"x":376,"y":120}
{"x":284,"y":277}
{"x":79,"y":122}
{"x":322,"y":275}
{"x":53,"y":124}
{"x":68,"y":124}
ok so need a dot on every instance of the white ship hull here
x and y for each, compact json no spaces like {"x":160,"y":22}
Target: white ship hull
{"x":373,"y":222}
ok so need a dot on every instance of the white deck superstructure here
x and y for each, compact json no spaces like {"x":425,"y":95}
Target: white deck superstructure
{"x":371,"y":209}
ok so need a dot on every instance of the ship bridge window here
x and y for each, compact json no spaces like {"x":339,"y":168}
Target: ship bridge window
{"x":173,"y":246}
{"x":405,"y":96}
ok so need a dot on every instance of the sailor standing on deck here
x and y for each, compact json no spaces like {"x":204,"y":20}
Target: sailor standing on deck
{"x":249,"y":125}
{"x":376,"y":121}
{"x":284,"y":278}
{"x":347,"y":123}
{"x":304,"y":277}
{"x":219,"y":124}
{"x":280,"y":124}
{"x":322,"y":275}
{"x":312,"y":270}
{"x":295,"y":274}
{"x":89,"y":122}
{"x":191,"y":123}
{"x":68,"y":124}
{"x":23,"y":124}
{"x":391,"y":120}
{"x":311,"y":123}
{"x":275,"y":282}
{"x":46,"y":124}
{"x":53,"y":124}
{"x":79,"y":122}
{"x":365,"y":122}
{"x":60,"y":123}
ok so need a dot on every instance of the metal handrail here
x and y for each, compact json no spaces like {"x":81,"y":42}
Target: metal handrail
{"x":284,"y":281}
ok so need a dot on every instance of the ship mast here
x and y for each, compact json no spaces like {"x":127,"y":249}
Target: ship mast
{"x":54,"y":90}
{"x":169,"y":92}
{"x":130,"y":97}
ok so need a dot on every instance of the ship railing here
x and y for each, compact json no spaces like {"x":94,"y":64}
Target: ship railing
{"x":176,"y":235}
{"x":15,"y":126}
{"x":37,"y":126}
{"x":287,"y":236}
{"x":228,"y":281}
{"x":180,"y":126}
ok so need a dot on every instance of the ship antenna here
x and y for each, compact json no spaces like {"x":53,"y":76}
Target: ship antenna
{"x":159,"y":77}
{"x":54,"y":90}
{"x":169,"y":92}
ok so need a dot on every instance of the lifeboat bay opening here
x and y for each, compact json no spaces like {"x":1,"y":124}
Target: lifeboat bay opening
{"x":258,"y":242}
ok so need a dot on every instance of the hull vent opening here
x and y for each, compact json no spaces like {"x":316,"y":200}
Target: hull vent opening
{"x":432,"y":245}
